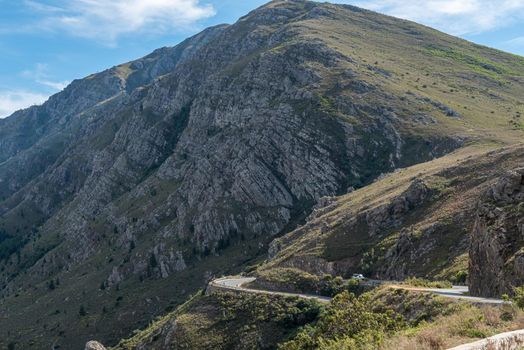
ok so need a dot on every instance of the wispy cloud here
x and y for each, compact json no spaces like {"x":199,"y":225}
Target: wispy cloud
{"x":106,"y":21}
{"x":457,"y":17}
{"x":37,"y":6}
{"x":41,"y":76}
{"x":11,"y":101}
{"x":516,"y":41}
{"x":56,"y":85}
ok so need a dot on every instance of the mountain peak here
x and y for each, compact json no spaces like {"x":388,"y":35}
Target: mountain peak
{"x":279,"y":11}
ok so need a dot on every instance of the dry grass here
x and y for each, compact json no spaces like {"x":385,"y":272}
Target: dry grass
{"x":468,"y":324}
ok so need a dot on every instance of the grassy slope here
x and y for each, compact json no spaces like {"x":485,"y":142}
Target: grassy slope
{"x":438,"y":229}
{"x":461,"y":324}
{"x":481,"y":84}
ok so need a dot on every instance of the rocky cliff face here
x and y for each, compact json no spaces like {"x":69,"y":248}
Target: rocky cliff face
{"x":497,"y":240}
{"x":139,"y":183}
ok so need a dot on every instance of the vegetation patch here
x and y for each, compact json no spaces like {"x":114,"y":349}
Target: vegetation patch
{"x":422,"y":282}
{"x":227,"y":321}
{"x":478,"y":64}
{"x":298,"y":281}
{"x":394,"y":319}
{"x":465,"y":324}
{"x":349,"y":322}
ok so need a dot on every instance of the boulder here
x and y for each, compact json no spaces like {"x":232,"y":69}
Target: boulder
{"x":94,"y":345}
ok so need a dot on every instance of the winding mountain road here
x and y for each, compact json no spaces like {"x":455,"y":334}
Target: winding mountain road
{"x":457,"y":292}
{"x":236,"y":284}
{"x":514,"y":338}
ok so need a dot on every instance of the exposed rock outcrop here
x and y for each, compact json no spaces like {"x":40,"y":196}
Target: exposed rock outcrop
{"x":94,"y":345}
{"x":497,"y":239}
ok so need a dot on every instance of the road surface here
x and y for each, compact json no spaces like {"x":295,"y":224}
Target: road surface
{"x":457,"y":292}
{"x":236,"y":284}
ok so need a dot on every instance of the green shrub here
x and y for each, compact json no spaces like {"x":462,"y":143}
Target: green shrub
{"x":469,"y":328}
{"x":330,"y":286}
{"x":349,"y":322}
{"x":421,"y":282}
{"x":355,"y":287}
{"x":298,"y":281}
{"x":82,"y":311}
{"x":508,"y":312}
{"x":518,"y":297}
{"x":460,"y":277}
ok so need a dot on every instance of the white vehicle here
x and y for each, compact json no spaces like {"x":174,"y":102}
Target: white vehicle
{"x":358,"y":276}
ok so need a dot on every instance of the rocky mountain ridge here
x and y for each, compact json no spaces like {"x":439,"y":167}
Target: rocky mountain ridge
{"x":131,"y":188}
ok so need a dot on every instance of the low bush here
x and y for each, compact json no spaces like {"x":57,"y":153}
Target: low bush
{"x":518,"y":297}
{"x":298,"y":281}
{"x":421,"y":282}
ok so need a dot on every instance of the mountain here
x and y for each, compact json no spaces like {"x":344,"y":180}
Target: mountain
{"x":129,"y":190}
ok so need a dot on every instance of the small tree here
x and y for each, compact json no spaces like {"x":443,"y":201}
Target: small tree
{"x":153,"y":263}
{"x":82,"y":312}
{"x":518,"y":298}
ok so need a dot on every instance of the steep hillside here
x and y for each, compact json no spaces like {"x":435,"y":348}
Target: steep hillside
{"x":126,"y":192}
{"x":226,"y":321}
{"x":414,"y":222}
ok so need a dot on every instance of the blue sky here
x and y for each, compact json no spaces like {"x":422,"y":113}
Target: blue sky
{"x":44,"y":44}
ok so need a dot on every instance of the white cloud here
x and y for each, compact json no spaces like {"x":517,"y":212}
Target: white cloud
{"x":107,"y":20}
{"x":41,"y":76}
{"x":457,"y":17}
{"x":56,"y":85}
{"x":11,"y":101}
